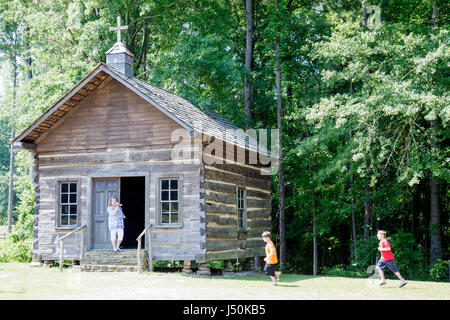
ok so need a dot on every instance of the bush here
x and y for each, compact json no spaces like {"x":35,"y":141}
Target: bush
{"x":168,"y":264}
{"x":408,"y":258}
{"x":341,"y":271}
{"x":440,"y":271}
{"x":18,"y":246}
{"x":16,"y":251}
{"x":180,"y":264}
{"x":366,"y":254}
{"x":216,"y":264}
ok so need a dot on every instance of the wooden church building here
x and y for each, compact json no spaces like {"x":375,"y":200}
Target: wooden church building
{"x":116,"y":135}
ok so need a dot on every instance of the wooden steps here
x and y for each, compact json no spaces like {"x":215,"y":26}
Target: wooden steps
{"x":110,"y":261}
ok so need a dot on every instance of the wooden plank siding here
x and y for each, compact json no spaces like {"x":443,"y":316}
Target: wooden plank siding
{"x":111,"y":116}
{"x":116,"y":133}
{"x":223,"y":240}
{"x":68,"y":106}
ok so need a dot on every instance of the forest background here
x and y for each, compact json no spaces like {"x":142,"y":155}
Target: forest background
{"x":359,"y":89}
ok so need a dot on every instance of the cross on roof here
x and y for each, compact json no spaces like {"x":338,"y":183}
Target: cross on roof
{"x":118,"y":29}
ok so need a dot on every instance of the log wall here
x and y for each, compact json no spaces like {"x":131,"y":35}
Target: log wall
{"x":223,"y":240}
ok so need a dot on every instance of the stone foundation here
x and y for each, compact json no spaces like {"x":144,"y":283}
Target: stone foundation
{"x":187,"y":267}
{"x":249,"y":264}
{"x":227,"y":267}
{"x":203,"y":269}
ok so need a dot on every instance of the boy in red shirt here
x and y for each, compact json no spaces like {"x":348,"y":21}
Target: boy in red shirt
{"x":270,"y":259}
{"x":387,"y":259}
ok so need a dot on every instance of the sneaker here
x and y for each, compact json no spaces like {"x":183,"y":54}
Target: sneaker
{"x":402,"y":283}
{"x":275,"y":284}
{"x":278,"y":275}
{"x":119,"y":250}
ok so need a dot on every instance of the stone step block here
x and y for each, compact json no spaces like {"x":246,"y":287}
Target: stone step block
{"x":108,"y":268}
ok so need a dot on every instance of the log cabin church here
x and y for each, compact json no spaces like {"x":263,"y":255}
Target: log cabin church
{"x":113,"y":135}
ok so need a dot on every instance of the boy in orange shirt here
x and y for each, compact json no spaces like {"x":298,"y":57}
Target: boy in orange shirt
{"x":387,"y":259}
{"x":271,"y":259}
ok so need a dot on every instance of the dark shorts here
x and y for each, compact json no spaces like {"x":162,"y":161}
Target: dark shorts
{"x":390,"y":264}
{"x":269,"y":269}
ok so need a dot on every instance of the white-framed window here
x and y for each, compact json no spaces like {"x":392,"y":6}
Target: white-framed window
{"x":68,"y":204}
{"x":241,"y":197}
{"x":169,"y":201}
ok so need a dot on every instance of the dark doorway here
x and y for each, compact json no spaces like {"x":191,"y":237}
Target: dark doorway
{"x":132,"y":197}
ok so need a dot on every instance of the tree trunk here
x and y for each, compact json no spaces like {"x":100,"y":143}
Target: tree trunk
{"x":11,"y":157}
{"x":365,"y":15}
{"x":11,"y":183}
{"x":435,"y":222}
{"x":435,"y":13}
{"x":354,"y":227}
{"x":313,"y":196}
{"x":352,"y":181}
{"x":343,"y":252}
{"x":248,"y":59}
{"x":367,"y":214}
{"x":281,"y":166}
{"x":426,"y":222}
{"x":415,"y":212}
{"x":435,"y":213}
{"x":28,"y":61}
{"x":315,"y":243}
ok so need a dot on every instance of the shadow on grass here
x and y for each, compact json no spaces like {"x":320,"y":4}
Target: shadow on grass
{"x":285,"y":278}
{"x":287,"y":285}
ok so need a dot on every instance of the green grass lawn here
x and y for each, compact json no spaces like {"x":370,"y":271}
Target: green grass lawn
{"x":20,"y":281}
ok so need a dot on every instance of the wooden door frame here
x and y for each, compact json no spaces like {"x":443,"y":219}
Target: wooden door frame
{"x":111,"y":175}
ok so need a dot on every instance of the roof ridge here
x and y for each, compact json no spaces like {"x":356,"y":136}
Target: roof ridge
{"x":150,"y":84}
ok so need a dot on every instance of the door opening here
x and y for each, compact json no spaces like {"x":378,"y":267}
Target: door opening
{"x":132,"y":197}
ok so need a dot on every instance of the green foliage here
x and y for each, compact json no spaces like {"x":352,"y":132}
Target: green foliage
{"x":167,"y":264}
{"x":357,"y":106}
{"x":180,"y":264}
{"x":237,"y":265}
{"x":20,"y":251}
{"x":440,"y":271}
{"x":366,"y":253}
{"x":216,"y":264}
{"x":341,"y":270}
{"x":408,"y":259}
{"x":18,"y":245}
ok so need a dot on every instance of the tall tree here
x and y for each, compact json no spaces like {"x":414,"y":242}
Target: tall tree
{"x":352,"y":190}
{"x":13,"y":55}
{"x":281,"y":184}
{"x":367,"y":202}
{"x":367,"y":213}
{"x":435,"y":212}
{"x":313,"y":195}
{"x":249,"y":13}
